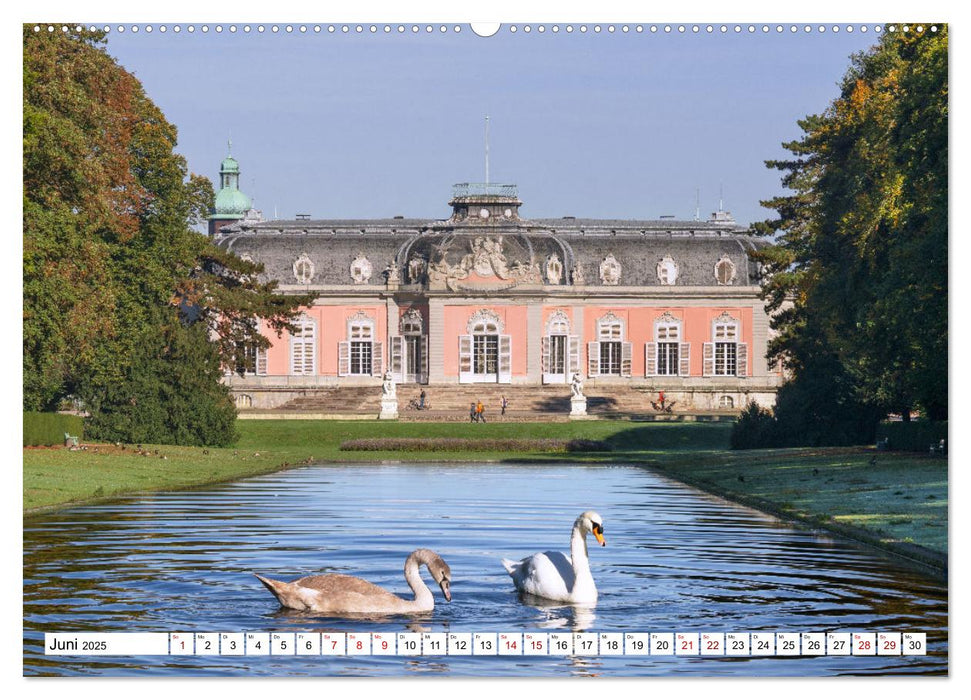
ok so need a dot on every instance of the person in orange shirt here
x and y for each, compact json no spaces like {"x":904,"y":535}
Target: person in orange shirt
{"x":480,"y":412}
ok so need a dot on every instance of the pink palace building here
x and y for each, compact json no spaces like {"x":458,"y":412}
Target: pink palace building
{"x":488,"y":296}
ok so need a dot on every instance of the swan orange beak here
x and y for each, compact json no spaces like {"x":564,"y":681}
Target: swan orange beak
{"x":598,"y":533}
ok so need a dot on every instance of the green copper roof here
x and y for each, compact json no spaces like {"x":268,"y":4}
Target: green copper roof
{"x":231,"y":203}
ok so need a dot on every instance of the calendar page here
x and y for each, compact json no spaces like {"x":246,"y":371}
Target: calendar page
{"x":541,"y":349}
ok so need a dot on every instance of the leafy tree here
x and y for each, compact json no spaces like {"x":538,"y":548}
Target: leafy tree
{"x":857,"y":275}
{"x":120,"y":293}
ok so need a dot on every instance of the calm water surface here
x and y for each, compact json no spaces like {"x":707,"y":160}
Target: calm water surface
{"x":677,"y":560}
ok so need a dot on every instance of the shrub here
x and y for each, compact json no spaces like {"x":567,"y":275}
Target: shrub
{"x":473,"y":445}
{"x":756,"y":427}
{"x":49,"y":428}
{"x":912,"y":436}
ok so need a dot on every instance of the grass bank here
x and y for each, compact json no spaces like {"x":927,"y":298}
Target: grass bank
{"x":898,"y":502}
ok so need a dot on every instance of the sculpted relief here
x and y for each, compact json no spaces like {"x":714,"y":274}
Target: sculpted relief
{"x":486,"y":258}
{"x":361,"y":270}
{"x":610,"y":270}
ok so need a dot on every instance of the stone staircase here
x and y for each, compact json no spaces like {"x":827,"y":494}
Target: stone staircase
{"x":451,"y":402}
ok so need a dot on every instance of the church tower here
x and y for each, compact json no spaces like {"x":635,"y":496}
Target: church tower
{"x":231,"y":205}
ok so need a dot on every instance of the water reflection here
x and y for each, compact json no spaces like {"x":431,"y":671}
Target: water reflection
{"x":678,"y":560}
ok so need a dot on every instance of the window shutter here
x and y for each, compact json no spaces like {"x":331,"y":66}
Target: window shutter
{"x":626,"y":354}
{"x":545,"y":345}
{"x":424,"y":360}
{"x":377,"y":359}
{"x":343,"y":358}
{"x":593,"y":358}
{"x":296,"y":355}
{"x":684,"y":360}
{"x":397,"y":352}
{"x":650,"y":359}
{"x":465,"y":359}
{"x":741,"y":360}
{"x":708,"y":360}
{"x":505,"y":359}
{"x":574,"y":355}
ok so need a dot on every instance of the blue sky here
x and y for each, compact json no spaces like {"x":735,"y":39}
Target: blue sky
{"x":589,"y":125}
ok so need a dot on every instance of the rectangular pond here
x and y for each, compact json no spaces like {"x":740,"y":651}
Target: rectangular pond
{"x":676,"y":560}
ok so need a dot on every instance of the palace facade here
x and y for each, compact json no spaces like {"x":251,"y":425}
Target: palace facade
{"x":487,"y":296}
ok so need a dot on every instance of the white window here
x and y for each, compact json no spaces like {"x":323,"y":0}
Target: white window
{"x":668,"y":343}
{"x":611,"y":336}
{"x":726,"y":343}
{"x":560,"y":350}
{"x":609,"y":354}
{"x":667,"y":356}
{"x":485,"y":354}
{"x":725,"y":355}
{"x":250,"y":360}
{"x":360,"y":354}
{"x":303,"y":347}
{"x":361,"y":335}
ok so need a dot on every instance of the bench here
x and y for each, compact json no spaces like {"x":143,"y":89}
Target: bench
{"x":70,"y":440}
{"x":940,"y":448}
{"x":883,"y":444}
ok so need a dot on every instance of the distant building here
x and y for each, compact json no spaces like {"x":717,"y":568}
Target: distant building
{"x":486,"y":296}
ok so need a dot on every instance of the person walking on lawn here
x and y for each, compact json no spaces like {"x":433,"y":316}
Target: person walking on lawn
{"x":480,"y":412}
{"x":502,"y":404}
{"x":473,"y":414}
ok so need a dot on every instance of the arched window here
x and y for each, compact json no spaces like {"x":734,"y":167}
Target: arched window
{"x":609,"y":354}
{"x":667,"y":356}
{"x":360,"y":354}
{"x":485,"y":354}
{"x":250,"y":359}
{"x":409,"y":349}
{"x":725,"y":355}
{"x":303,"y":347}
{"x":560,"y":350}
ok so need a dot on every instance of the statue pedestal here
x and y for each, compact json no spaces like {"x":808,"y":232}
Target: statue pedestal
{"x":389,"y":409}
{"x":578,"y":406}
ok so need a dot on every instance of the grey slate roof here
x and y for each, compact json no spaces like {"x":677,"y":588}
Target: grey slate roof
{"x":638,"y":245}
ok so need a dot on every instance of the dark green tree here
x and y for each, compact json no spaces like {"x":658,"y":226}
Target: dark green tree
{"x":857,"y":273}
{"x":122,"y":298}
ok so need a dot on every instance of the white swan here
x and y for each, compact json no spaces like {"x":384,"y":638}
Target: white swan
{"x":340,"y":594}
{"x":556,"y":576}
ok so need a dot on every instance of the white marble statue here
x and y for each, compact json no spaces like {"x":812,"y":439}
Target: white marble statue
{"x":389,"y":391}
{"x":577,"y":385}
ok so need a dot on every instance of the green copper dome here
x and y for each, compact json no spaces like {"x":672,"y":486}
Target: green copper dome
{"x":229,"y":166}
{"x":231,"y":202}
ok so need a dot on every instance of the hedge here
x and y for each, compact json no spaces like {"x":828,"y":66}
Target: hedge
{"x":49,"y":428}
{"x":912,"y":436}
{"x":474,"y":445}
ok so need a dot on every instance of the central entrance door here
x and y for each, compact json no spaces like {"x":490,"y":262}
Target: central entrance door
{"x":485,"y":358}
{"x":485,"y":354}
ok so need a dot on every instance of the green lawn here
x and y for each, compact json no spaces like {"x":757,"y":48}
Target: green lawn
{"x":899,"y":501}
{"x":893,"y":499}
